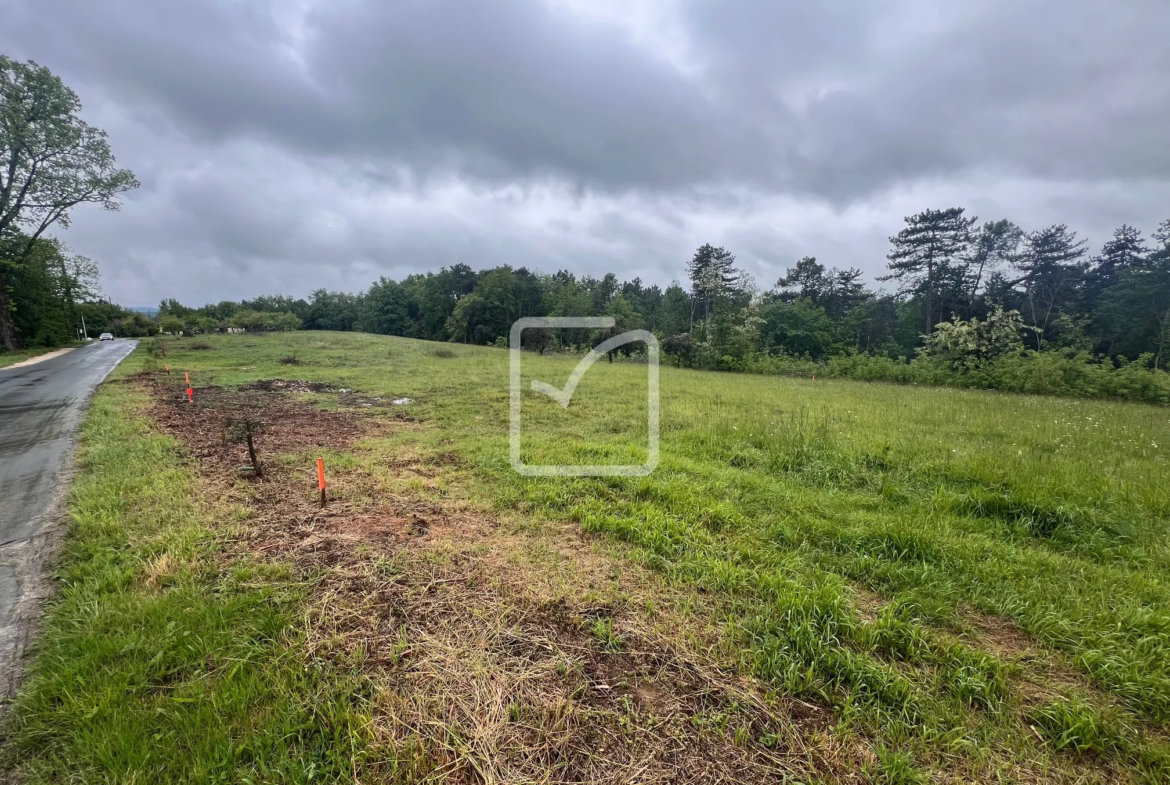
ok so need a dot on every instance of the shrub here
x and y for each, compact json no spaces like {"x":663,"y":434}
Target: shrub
{"x":1067,"y":374}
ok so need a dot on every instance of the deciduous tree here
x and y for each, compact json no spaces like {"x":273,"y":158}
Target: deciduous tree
{"x":50,"y":161}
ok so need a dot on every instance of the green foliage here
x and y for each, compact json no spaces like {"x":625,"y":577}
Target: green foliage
{"x":331,"y":311}
{"x":897,"y":768}
{"x":259,"y":321}
{"x":1076,"y":725}
{"x":386,"y":309}
{"x":134,"y":325}
{"x":927,"y":258}
{"x":48,"y":286}
{"x":1050,"y":263}
{"x":799,"y":328}
{"x":964,"y":346}
{"x":50,"y":161}
{"x":171,"y":324}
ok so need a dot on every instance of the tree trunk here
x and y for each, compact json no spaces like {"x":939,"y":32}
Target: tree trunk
{"x":7,"y":326}
{"x":930,"y":296}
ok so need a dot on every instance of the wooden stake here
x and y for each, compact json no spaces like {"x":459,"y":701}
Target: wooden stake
{"x":252,"y":455}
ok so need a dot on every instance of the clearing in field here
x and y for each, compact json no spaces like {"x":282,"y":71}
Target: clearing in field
{"x":822,"y":581}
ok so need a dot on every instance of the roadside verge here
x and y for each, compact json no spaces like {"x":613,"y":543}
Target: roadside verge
{"x":163,"y":657}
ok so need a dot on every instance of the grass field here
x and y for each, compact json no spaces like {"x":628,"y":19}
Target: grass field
{"x":822,"y":580}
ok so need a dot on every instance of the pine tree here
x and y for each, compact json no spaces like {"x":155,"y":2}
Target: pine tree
{"x":1052,"y":268}
{"x":807,"y":278}
{"x":924,"y":256}
{"x":1125,"y":251}
{"x":712,"y":273}
{"x":846,"y":291}
{"x":996,"y":244}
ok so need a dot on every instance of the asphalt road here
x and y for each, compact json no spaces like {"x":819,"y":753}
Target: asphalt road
{"x":41,"y":408}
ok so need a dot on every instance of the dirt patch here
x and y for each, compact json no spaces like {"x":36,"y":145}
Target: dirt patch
{"x":288,"y":386}
{"x":287,"y":426}
{"x":1001,"y":636}
{"x":868,"y":604}
{"x":497,"y":653}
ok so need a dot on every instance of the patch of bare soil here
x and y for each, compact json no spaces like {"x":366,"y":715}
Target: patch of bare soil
{"x":497,"y":653}
{"x":288,"y":386}
{"x":1002,"y":637}
{"x":286,"y":426}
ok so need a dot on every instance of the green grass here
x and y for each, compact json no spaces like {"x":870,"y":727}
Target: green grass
{"x":20,"y":355}
{"x":162,"y":659}
{"x":853,"y":535}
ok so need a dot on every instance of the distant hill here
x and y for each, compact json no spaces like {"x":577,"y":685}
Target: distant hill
{"x":145,"y":310}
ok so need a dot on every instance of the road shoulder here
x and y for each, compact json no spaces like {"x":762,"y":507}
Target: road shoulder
{"x":48,"y":355}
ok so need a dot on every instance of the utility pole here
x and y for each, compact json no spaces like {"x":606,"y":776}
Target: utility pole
{"x":84,"y":332}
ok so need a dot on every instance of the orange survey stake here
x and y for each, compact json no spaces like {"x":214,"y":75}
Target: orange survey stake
{"x":321,"y":479}
{"x":187,"y":376}
{"x":190,"y":396}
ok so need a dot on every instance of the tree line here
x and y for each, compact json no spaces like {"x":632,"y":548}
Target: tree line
{"x":947,"y":269}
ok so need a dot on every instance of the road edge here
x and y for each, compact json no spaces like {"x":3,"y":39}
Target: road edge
{"x":34,"y":567}
{"x":41,"y":357}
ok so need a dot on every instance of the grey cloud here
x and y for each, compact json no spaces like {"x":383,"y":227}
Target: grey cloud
{"x":786,"y":96}
{"x":278,"y":142}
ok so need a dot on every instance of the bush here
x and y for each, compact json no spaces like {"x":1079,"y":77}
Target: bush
{"x":1064,"y":374}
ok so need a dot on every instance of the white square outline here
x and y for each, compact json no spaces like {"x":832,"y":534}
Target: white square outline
{"x":579,"y":322}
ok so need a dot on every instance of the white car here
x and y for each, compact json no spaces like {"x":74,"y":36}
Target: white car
{"x":106,"y":337}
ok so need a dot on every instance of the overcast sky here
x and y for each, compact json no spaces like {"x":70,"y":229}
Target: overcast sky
{"x":287,"y":145}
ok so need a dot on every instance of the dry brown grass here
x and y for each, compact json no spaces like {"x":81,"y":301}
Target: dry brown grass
{"x":494,"y":666}
{"x":159,"y":570}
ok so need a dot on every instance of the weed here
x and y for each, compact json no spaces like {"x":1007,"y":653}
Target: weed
{"x":605,"y":635}
{"x":1075,"y":725}
{"x":897,"y":768}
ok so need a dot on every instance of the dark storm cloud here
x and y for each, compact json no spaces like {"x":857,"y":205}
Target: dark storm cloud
{"x":839,"y":98}
{"x":371,"y":137}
